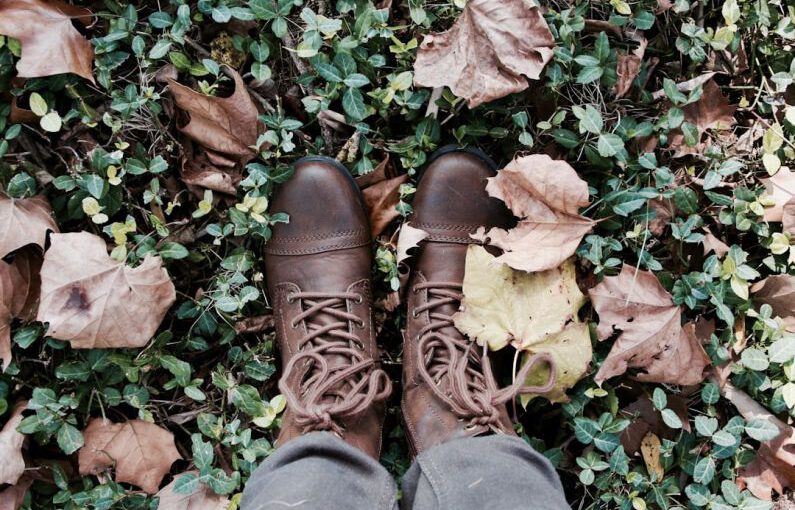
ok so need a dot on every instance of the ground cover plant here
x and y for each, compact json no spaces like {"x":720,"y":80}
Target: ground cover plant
{"x":645,"y":149}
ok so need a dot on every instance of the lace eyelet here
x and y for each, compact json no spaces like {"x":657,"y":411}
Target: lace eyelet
{"x":470,"y":427}
{"x":414,"y":314}
{"x":291,"y":298}
{"x":360,"y":299}
{"x":293,"y":325}
{"x":360,"y":324}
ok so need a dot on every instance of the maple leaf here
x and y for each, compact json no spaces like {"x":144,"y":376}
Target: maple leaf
{"x":487,"y":52}
{"x":711,"y":111}
{"x":778,"y":291}
{"x":50,"y":43}
{"x":91,"y":300}
{"x":24,"y":221}
{"x":546,"y":195}
{"x":13,"y":465}
{"x":201,"y":499}
{"x":651,"y":337}
{"x":535,"y":312}
{"x":141,"y":452}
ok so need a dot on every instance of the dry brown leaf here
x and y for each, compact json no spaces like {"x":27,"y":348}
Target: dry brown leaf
{"x":644,"y":418}
{"x":408,"y":238}
{"x":488,"y":51}
{"x":50,"y":43}
{"x":93,"y":301}
{"x":651,"y":337}
{"x":24,"y":221}
{"x":201,"y":499}
{"x":779,"y":292}
{"x":197,"y":169}
{"x":546,"y":195}
{"x":650,"y":450}
{"x":628,"y":66}
{"x":381,"y":200}
{"x":23,"y":272}
{"x":226,"y":125}
{"x":781,"y":188}
{"x":663,"y":213}
{"x":6,"y":300}
{"x":13,"y":464}
{"x":773,"y":469}
{"x":712,"y":243}
{"x":12,"y":497}
{"x":141,"y":452}
{"x":711,"y":111}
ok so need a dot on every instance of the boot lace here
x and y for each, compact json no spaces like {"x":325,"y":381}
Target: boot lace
{"x":471,"y":390}
{"x":330,"y":392}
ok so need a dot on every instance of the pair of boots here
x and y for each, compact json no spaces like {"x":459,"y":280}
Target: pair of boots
{"x":318,"y":272}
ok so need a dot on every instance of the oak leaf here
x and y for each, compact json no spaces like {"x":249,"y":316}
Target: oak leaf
{"x":650,"y":335}
{"x":487,"y":52}
{"x":201,"y":499}
{"x":50,"y":43}
{"x":711,"y":111}
{"x":12,"y":497}
{"x":408,"y":238}
{"x":778,"y":291}
{"x":13,"y":465}
{"x":546,"y":195}
{"x":781,"y":188}
{"x":535,"y":312}
{"x":24,"y":221}
{"x":141,"y":452}
{"x":93,"y":301}
{"x":225,"y":125}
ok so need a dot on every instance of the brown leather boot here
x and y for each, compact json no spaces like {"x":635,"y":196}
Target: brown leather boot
{"x":449,"y":390}
{"x":318,"y":272}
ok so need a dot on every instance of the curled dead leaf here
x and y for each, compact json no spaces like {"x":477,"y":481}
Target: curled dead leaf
{"x":628,"y":65}
{"x":488,"y":52}
{"x":201,"y":499}
{"x":141,"y":452}
{"x":650,"y":336}
{"x":50,"y":44}
{"x":92,"y":301}
{"x":408,"y":238}
{"x":535,"y":312}
{"x":13,"y":464}
{"x":546,"y":195}
{"x":713,"y":244}
{"x":381,"y":195}
{"x":24,"y":221}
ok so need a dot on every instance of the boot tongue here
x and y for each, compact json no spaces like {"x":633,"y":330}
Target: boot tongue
{"x":443,"y":262}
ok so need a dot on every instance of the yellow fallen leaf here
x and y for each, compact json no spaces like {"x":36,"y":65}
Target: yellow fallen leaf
{"x":535,"y":312}
{"x":650,"y":449}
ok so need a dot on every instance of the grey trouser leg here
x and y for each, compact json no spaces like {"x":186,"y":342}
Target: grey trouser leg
{"x":480,"y":473}
{"x":319,"y":471}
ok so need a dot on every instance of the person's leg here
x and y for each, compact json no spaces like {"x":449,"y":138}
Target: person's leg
{"x":320,"y":471}
{"x":497,"y":471}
